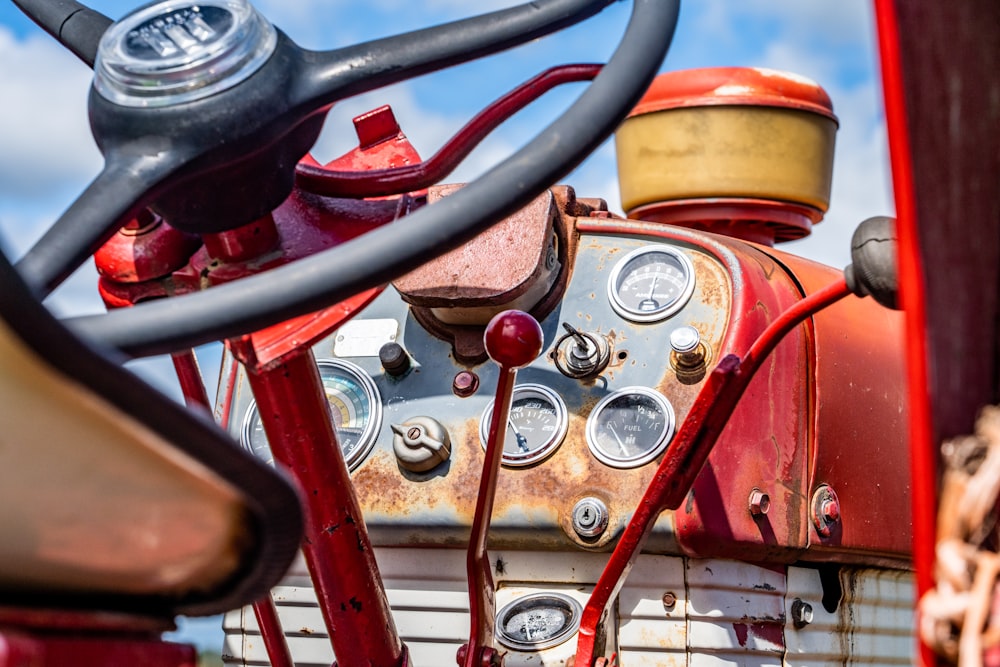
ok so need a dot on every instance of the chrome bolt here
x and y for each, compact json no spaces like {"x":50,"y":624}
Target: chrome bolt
{"x":760,"y":502}
{"x":802,"y":613}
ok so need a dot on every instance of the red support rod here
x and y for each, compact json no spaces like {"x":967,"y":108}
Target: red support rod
{"x":684,"y":458}
{"x":384,"y":182}
{"x":296,"y":418}
{"x":270,"y":629}
{"x":189,"y":377}
{"x":923,"y":459}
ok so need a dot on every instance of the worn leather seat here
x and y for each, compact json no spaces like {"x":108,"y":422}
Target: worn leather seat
{"x":112,"y":496}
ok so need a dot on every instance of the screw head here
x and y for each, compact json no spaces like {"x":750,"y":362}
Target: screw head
{"x":760,"y":503}
{"x":669,"y":601}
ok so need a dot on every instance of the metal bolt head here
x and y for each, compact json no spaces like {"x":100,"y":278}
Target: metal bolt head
{"x":825,"y":510}
{"x":802,"y":613}
{"x":465,"y":384}
{"x":760,"y":503}
{"x":669,"y":601}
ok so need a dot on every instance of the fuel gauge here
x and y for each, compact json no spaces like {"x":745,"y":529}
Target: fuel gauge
{"x":630,"y":427}
{"x":536,"y":426}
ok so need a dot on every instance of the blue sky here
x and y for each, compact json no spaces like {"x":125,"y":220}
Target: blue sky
{"x":47,"y":154}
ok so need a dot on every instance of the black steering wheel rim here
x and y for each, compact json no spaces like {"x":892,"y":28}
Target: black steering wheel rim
{"x":307,"y":285}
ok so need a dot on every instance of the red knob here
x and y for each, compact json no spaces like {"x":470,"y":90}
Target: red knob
{"x":513,"y":339}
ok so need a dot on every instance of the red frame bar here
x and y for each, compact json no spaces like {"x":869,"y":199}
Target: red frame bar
{"x":685,"y":457}
{"x":21,"y":650}
{"x":296,"y":418}
{"x":923,"y":459}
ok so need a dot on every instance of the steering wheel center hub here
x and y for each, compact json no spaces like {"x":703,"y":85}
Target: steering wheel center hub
{"x":179,"y":51}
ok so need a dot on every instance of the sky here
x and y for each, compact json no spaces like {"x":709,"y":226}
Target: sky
{"x":47,"y":155}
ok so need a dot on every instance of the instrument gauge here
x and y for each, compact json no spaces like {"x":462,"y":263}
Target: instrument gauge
{"x":355,"y":409}
{"x":630,"y":427}
{"x":535,"y":428}
{"x":651,"y":283}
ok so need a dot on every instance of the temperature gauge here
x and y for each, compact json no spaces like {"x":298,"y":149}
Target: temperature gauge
{"x":536,"y":426}
{"x":651,"y":283}
{"x":355,"y":406}
{"x":630,"y":427}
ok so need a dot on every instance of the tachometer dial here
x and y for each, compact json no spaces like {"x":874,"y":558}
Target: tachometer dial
{"x":355,"y":406}
{"x":630,"y":427}
{"x":651,"y":283}
{"x":537,"y":425}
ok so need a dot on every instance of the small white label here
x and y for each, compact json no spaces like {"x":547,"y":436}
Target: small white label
{"x":364,"y":338}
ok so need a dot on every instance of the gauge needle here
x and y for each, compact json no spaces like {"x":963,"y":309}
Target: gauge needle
{"x":522,"y":442}
{"x":652,"y":288}
{"x":620,"y":443}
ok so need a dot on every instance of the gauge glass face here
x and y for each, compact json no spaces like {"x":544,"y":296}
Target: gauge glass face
{"x":535,"y":428}
{"x":355,"y":409}
{"x":538,"y":621}
{"x":651,"y":283}
{"x":630,"y":427}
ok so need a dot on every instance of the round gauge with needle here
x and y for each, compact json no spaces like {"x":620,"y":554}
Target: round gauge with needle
{"x":535,"y":428}
{"x":630,"y":427}
{"x":355,"y":410}
{"x":651,"y":283}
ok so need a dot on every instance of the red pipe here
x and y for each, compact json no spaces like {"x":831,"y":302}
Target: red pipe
{"x":686,"y":455}
{"x":189,"y":377}
{"x":384,"y":182}
{"x":923,"y":459}
{"x":270,"y":630}
{"x":296,"y":418}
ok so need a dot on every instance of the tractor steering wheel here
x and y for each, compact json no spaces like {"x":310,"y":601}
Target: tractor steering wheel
{"x":209,"y":137}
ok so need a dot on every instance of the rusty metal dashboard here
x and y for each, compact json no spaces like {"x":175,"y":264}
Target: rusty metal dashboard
{"x":535,"y":499}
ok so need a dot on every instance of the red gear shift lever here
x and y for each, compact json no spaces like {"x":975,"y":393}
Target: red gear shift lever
{"x":513,"y":340}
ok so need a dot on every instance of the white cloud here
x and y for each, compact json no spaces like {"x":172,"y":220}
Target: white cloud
{"x":43,"y":120}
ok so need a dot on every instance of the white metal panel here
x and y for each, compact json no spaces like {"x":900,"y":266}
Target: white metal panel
{"x":872,"y":625}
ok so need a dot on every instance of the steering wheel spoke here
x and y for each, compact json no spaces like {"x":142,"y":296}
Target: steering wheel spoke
{"x":122,"y":189}
{"x":381,"y":255}
{"x":74,"y":25}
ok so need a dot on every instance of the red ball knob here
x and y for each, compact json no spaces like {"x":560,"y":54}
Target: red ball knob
{"x":513,"y":339}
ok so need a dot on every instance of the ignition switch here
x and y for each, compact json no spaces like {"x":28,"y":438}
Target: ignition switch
{"x":590,"y":518}
{"x":581,"y":355}
{"x":420,"y":443}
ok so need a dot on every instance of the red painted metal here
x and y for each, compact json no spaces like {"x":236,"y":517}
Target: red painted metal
{"x":296,"y":417}
{"x":189,"y":377}
{"x":771,"y":445}
{"x":780,"y":221}
{"x":379,"y":182}
{"x":513,"y":340}
{"x":912,"y":289}
{"x":146,"y":249}
{"x":249,"y":242}
{"x":685,"y":457}
{"x":48,"y":650}
{"x":734,"y":85}
{"x":270,"y":629}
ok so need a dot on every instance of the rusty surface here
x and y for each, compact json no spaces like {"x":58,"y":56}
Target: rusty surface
{"x":493,"y":269}
{"x":467,"y":340}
